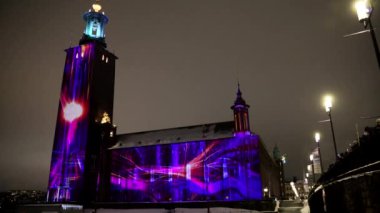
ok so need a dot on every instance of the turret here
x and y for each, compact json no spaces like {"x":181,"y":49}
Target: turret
{"x":95,"y":22}
{"x":241,"y":116}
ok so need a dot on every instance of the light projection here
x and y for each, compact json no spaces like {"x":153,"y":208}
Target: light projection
{"x":68,"y":157}
{"x":72,"y":111}
{"x":213,"y":170}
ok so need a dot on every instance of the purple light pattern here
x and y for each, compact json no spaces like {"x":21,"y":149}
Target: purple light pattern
{"x":67,"y":164}
{"x":214,"y":170}
{"x":223,"y":169}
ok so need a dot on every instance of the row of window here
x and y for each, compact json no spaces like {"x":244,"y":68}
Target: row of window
{"x":104,"y":58}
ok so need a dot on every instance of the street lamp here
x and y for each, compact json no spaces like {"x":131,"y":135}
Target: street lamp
{"x":317,"y":138}
{"x":328,"y":106}
{"x":364,"y":11}
{"x":312,"y":166}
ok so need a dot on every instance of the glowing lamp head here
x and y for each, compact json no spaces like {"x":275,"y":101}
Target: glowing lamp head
{"x":317,"y":137}
{"x":72,"y":111}
{"x":96,"y":7}
{"x":328,"y":102}
{"x":311,"y":157}
{"x":363,"y":9}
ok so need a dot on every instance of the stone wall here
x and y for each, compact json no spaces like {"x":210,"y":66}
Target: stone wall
{"x":356,"y":193}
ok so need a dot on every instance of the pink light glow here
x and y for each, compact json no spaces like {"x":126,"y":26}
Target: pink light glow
{"x":72,"y":111}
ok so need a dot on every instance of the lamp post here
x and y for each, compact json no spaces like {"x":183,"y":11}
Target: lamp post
{"x":312,"y":166}
{"x":328,"y":106}
{"x":364,"y":11}
{"x":317,"y":138}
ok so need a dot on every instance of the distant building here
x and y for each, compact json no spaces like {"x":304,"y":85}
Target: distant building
{"x":280,"y":161}
{"x":295,"y":190}
{"x":91,"y":163}
{"x":10,"y":199}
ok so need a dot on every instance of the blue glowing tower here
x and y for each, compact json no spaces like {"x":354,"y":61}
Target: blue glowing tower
{"x":84,"y":113}
{"x":95,"y":23}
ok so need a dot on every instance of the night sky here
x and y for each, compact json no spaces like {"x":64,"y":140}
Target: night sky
{"x":179,"y":63}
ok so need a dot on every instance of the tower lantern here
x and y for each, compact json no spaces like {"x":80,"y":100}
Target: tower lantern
{"x":95,"y":24}
{"x":241,"y":116}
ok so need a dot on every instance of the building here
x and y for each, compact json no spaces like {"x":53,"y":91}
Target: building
{"x":281,"y":161}
{"x":87,"y":92}
{"x":215,"y":162}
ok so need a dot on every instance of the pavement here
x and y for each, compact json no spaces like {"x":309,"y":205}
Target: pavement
{"x":298,"y":206}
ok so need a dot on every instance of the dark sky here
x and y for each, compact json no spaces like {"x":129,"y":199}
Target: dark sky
{"x":179,"y":61}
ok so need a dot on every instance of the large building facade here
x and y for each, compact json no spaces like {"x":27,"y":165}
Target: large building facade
{"x":90,"y":162}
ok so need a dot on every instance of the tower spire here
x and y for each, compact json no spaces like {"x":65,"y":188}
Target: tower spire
{"x":238,"y":92}
{"x":241,"y":116}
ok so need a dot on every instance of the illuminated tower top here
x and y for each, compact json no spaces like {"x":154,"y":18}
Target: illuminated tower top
{"x":241,"y":117}
{"x":95,"y":23}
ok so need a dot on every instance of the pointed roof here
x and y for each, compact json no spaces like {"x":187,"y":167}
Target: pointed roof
{"x":239,"y":99}
{"x":201,"y":132}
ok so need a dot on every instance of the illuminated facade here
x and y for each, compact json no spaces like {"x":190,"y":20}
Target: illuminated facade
{"x":86,"y":93}
{"x":210,"y":162}
{"x":90,"y":163}
{"x":212,"y":169}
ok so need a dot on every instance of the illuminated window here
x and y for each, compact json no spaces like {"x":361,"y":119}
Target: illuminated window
{"x":95,"y":25}
{"x":103,"y":57}
{"x":106,"y":118}
{"x":107,"y":60}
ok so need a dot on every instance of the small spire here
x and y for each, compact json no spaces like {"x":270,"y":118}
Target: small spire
{"x":239,"y":99}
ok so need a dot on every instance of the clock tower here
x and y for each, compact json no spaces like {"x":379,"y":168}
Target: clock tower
{"x":87,"y":94}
